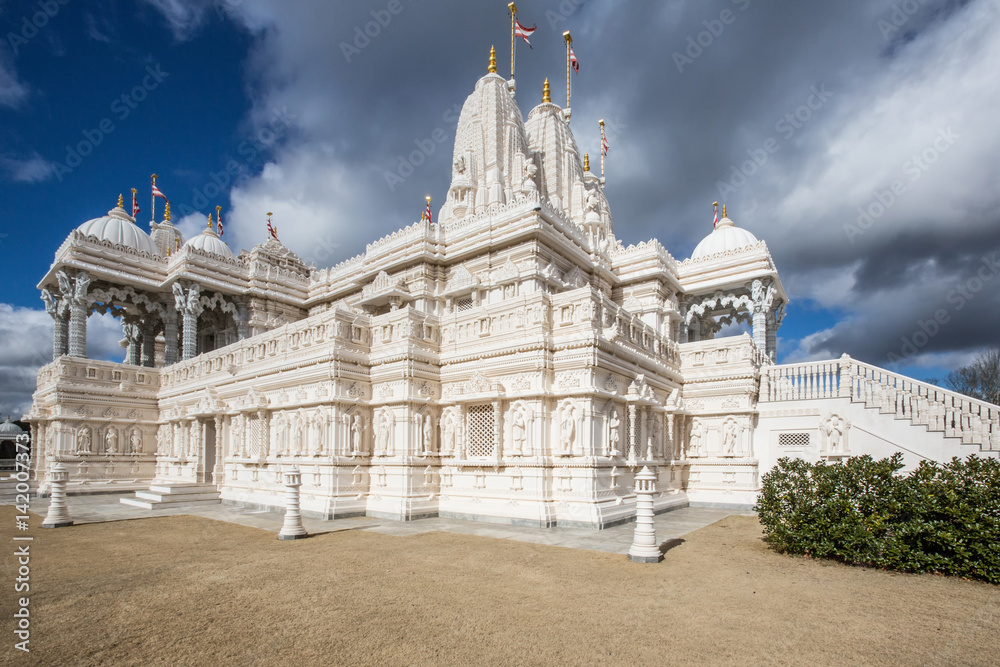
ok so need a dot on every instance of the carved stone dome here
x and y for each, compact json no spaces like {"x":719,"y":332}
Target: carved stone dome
{"x":9,"y":430}
{"x":726,"y":236}
{"x":209,"y":241}
{"x":120,"y":228}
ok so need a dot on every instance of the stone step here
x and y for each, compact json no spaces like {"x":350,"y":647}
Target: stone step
{"x":161,"y":496}
{"x":152,"y":504}
{"x":176,"y":497}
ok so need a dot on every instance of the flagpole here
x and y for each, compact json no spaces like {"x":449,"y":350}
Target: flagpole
{"x":569,"y":40}
{"x":601,"y":121}
{"x":152,"y":208}
{"x":513,"y":27}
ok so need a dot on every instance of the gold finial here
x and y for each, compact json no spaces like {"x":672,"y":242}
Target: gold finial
{"x":134,"y":190}
{"x":121,"y":202}
{"x":546,"y":92}
{"x":512,"y":7}
{"x":428,"y":198}
{"x":493,"y":61}
{"x":166,"y":213}
{"x":154,"y":179}
{"x":724,"y":211}
{"x":209,"y":220}
{"x":586,"y":161}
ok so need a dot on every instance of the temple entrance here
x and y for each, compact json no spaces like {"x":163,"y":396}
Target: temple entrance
{"x":208,"y":462}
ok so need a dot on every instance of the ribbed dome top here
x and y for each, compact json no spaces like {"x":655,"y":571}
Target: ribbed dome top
{"x":491,"y":150}
{"x":209,"y":241}
{"x":726,"y":236}
{"x":119,"y":227}
{"x":9,"y":430}
{"x":550,"y":137}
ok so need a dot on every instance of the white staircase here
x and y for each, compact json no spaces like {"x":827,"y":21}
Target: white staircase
{"x":970,"y":422}
{"x":163,"y":496}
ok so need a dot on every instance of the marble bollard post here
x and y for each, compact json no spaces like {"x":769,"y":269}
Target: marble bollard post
{"x":292,"y":529}
{"x":644,"y":548}
{"x":58,"y":515}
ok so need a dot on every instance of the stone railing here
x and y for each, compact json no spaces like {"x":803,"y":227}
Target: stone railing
{"x":957,"y":416}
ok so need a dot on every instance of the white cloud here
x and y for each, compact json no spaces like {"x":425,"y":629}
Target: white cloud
{"x":12,"y":91}
{"x":186,"y":16}
{"x":33,"y":169}
{"x":27,"y":336}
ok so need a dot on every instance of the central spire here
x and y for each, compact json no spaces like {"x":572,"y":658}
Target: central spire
{"x":493,"y":61}
{"x":546,"y":92}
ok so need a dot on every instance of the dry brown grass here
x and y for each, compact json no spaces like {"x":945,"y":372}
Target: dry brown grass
{"x":190,"y":591}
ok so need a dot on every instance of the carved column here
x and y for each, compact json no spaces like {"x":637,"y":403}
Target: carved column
{"x":763,"y":297}
{"x":633,"y":431}
{"x":147,"y":354}
{"x":58,"y":309}
{"x":132,"y":335}
{"x":497,"y":430}
{"x":170,"y":336}
{"x":188,"y":304}
{"x":78,"y":306}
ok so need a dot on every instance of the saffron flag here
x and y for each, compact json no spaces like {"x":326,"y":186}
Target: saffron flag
{"x":218,"y":222}
{"x":716,"y":221}
{"x":157,"y":193}
{"x":427,"y":213}
{"x":573,"y":61}
{"x":523,"y":32}
{"x":135,"y":205}
{"x":271,"y":230}
{"x":604,"y":143}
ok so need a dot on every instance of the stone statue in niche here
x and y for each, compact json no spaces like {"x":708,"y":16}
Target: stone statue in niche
{"x":449,"y":435}
{"x":428,"y":434}
{"x":111,"y":441}
{"x":614,"y":433}
{"x":730,"y":435}
{"x":382,"y":436}
{"x":835,"y":431}
{"x":195,"y":449}
{"x":135,"y":442}
{"x":695,"y":439}
{"x":83,"y":440}
{"x":567,"y":430}
{"x":518,"y":431}
{"x":356,"y":435}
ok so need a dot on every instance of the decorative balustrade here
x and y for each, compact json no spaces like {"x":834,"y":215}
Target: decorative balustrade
{"x":957,"y":416}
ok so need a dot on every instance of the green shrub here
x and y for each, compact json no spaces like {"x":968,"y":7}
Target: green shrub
{"x":939,"y":518}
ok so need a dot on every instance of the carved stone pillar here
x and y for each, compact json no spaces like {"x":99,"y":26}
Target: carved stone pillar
{"x":132,"y":335}
{"x":188,"y":304}
{"x":633,"y":431}
{"x":58,"y":309}
{"x":170,"y":336}
{"x":78,"y":306}
{"x":147,"y":356}
{"x":760,"y":330}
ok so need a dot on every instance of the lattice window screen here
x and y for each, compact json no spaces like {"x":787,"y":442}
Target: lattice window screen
{"x":480,"y":431}
{"x":463,"y":305}
{"x":793,"y":439}
{"x":256,"y":437}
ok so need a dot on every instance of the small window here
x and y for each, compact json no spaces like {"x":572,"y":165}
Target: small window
{"x":463,"y":305}
{"x":116,"y":376}
{"x":481,"y":427}
{"x":92,"y":372}
{"x":793,"y":439}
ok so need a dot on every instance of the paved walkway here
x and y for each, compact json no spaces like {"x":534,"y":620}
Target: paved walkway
{"x":670,"y":526}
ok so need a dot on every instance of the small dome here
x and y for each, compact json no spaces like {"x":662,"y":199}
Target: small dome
{"x":209,"y":241}
{"x":725,"y":237}
{"x":9,"y":430}
{"x":120,"y":228}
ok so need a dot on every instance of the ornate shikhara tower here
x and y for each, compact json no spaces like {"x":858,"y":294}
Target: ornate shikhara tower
{"x":511,"y":362}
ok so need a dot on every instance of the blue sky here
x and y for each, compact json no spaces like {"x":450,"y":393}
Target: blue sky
{"x":837,"y":105}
